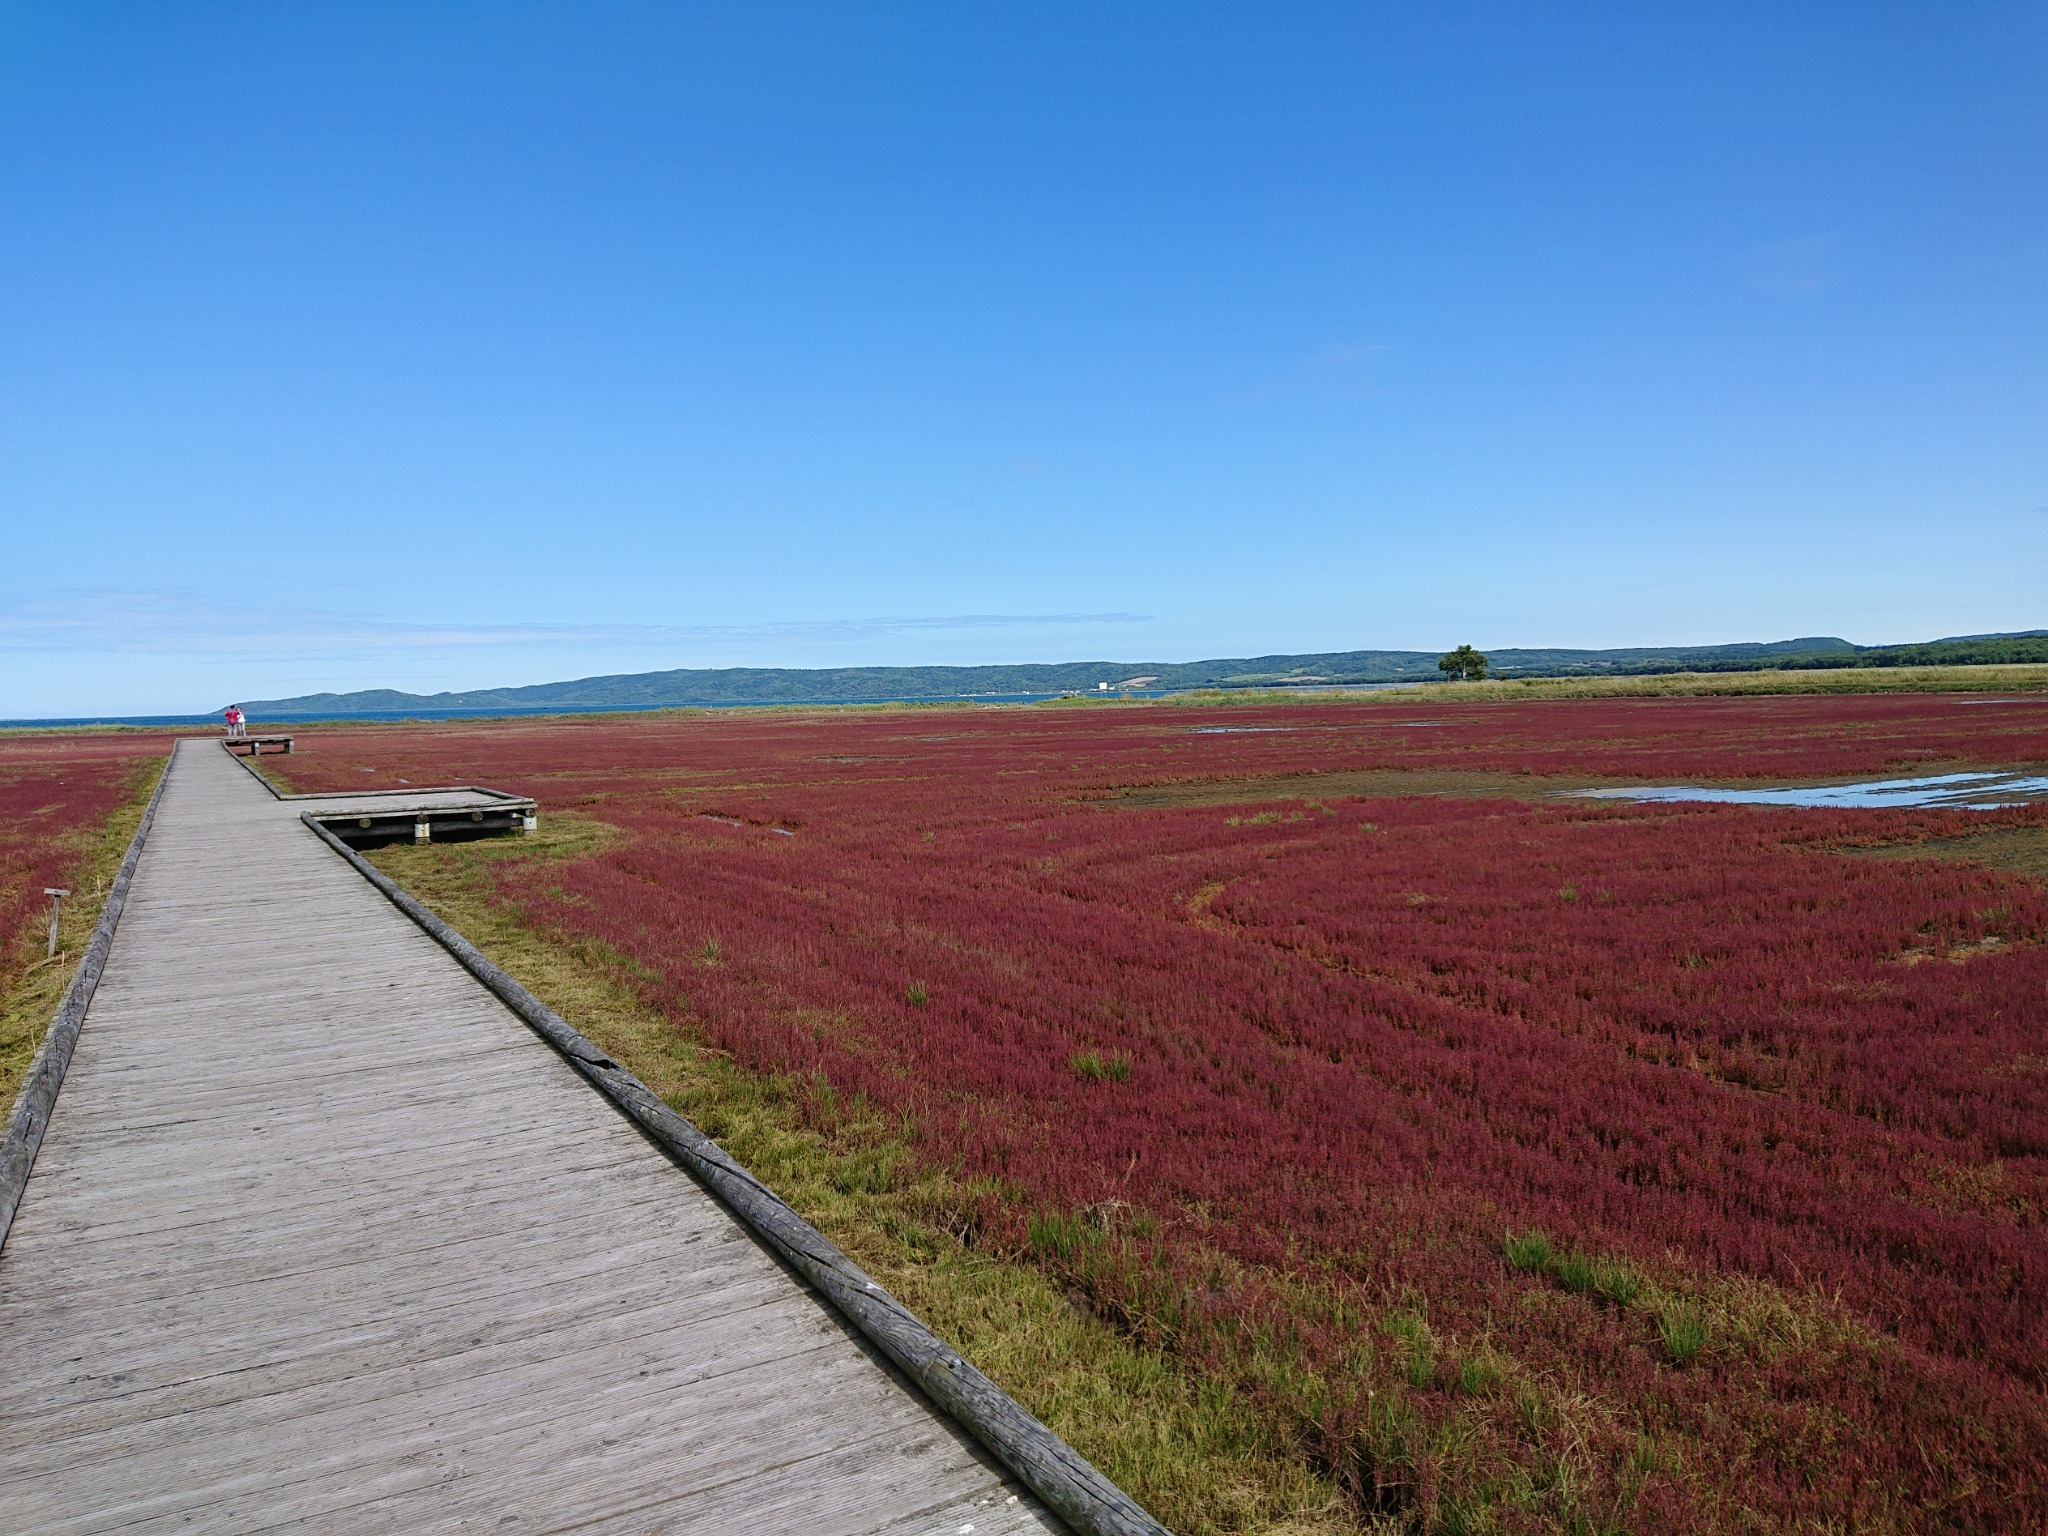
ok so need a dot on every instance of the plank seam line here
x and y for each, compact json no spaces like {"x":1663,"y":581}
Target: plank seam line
{"x":30,"y":1116}
{"x":1067,"y":1482}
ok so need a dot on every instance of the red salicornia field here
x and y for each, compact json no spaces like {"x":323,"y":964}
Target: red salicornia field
{"x":1679,"y":1166}
{"x":56,"y":794}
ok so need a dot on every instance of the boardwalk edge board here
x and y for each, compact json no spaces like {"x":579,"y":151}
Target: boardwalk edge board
{"x":30,"y":1116}
{"x":254,"y":772}
{"x":1058,"y":1474}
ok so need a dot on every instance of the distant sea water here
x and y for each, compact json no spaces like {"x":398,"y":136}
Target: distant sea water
{"x":59,"y":723}
{"x":256,"y":722}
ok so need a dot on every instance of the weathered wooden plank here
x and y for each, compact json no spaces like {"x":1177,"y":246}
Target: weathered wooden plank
{"x":288,"y":1350}
{"x":453,"y":1335}
{"x":509,"y":1423}
{"x":851,"y":1492}
{"x":415,"y":1283}
{"x":642,"y":1353}
{"x":217,"y":1236}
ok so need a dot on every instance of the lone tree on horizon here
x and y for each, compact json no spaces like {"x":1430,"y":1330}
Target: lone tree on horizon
{"x":1462,"y":665}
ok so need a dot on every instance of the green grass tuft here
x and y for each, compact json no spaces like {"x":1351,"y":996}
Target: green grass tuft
{"x":1478,"y":1375}
{"x":1420,"y":1345}
{"x":1683,"y":1333}
{"x":1575,"y":1271}
{"x":1530,"y":1251}
{"x":1615,"y":1281}
{"x":1059,"y":1236}
{"x":1099,"y":1066}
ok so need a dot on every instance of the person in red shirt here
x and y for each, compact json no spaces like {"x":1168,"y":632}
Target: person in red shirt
{"x":235,"y":720}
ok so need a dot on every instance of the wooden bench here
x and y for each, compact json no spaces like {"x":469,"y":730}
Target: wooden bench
{"x":258,"y":745}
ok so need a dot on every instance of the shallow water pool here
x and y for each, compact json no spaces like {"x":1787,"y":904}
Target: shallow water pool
{"x":1953,"y":791}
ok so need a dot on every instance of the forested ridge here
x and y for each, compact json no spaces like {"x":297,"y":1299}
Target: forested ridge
{"x":798,"y":685}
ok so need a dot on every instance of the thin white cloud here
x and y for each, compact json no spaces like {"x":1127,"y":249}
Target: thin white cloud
{"x":195,"y":625}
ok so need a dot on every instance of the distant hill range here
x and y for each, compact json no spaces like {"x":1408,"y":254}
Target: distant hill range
{"x":833,"y":685}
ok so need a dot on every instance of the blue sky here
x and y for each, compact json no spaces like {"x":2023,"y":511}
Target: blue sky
{"x":435,"y":345}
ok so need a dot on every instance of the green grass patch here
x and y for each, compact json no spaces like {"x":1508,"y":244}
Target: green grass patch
{"x":1419,"y":1346}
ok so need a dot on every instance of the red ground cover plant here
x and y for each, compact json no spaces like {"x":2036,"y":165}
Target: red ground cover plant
{"x":56,"y":792}
{"x":1551,"y":1161}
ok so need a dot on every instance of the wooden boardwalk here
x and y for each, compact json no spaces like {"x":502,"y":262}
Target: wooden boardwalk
{"x":322,"y":1239}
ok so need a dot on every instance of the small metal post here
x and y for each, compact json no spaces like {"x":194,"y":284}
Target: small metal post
{"x":56,"y":893}
{"x":530,"y":822}
{"x":422,"y":831}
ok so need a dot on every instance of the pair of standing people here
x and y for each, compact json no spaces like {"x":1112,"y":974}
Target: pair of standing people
{"x":238,"y":723}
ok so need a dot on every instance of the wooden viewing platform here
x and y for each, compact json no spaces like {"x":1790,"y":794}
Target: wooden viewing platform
{"x":367,"y":818}
{"x":322,"y":1238}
